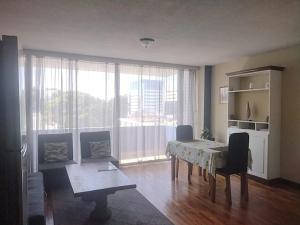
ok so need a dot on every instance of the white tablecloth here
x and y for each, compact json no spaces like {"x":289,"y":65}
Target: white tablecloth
{"x":207,"y":154}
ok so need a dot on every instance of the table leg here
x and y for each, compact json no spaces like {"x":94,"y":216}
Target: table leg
{"x":212,"y":185}
{"x":209,"y":186}
{"x":173,"y":159}
{"x":204,"y":175}
{"x":101,"y":212}
{"x":190,"y":169}
{"x":200,"y":171}
{"x":177,"y":167}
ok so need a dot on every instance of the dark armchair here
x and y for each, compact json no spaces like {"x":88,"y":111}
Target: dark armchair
{"x":53,"y":167}
{"x":88,"y":138}
{"x":44,"y":139}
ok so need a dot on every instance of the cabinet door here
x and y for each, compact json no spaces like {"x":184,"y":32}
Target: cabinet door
{"x":257,"y":145}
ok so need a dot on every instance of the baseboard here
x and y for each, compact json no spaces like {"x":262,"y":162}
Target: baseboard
{"x":275,"y":181}
{"x":264,"y":181}
{"x":290,"y":183}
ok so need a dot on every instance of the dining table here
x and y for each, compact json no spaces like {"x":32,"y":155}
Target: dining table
{"x":204,"y":153}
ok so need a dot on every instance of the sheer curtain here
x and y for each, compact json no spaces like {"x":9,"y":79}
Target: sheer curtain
{"x":148,"y":119}
{"x":140,"y":105}
{"x":67,"y":96}
{"x":50,"y":105}
{"x":96,"y":100}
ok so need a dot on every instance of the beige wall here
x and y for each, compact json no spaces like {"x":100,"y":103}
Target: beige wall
{"x":290,"y":121}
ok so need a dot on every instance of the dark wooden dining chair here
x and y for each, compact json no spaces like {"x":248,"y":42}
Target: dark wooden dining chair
{"x":184,"y":133}
{"x":237,"y":163}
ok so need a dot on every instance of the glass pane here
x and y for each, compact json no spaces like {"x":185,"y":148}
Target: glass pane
{"x":95,"y":94}
{"x":147,"y":111}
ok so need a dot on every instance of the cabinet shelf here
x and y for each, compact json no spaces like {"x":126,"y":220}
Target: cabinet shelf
{"x":247,"y":121}
{"x":248,"y":125}
{"x":249,"y":90}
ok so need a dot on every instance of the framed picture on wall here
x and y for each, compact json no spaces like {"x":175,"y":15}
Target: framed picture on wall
{"x":224,"y":95}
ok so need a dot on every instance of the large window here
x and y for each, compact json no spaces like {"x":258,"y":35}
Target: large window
{"x":148,"y":118}
{"x":139,"y":105}
{"x":150,"y":95}
{"x":95,"y":95}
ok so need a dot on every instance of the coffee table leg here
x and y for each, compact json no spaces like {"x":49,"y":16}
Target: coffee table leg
{"x":101,"y":211}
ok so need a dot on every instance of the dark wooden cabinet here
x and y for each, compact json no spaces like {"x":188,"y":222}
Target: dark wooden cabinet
{"x":10,"y":146}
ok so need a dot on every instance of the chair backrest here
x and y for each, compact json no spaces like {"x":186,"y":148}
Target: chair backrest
{"x":237,"y":158}
{"x":87,"y":137}
{"x":49,"y":138}
{"x":184,"y":133}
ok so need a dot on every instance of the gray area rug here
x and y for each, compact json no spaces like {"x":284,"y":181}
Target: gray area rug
{"x":128,"y":207}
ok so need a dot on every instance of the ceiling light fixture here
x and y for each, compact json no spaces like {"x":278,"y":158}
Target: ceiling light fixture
{"x":147,"y":42}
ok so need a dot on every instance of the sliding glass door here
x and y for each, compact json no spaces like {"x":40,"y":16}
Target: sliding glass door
{"x":140,"y":105}
{"x":148,"y":112}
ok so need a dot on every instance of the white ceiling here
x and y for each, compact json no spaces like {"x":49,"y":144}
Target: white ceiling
{"x":191,"y":32}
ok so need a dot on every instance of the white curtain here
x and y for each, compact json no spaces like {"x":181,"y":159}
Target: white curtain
{"x":140,"y":105}
{"x":148,"y":119}
{"x":96,"y":100}
{"x":67,"y":96}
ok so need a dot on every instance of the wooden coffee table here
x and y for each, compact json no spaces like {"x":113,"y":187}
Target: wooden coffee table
{"x":94,"y":181}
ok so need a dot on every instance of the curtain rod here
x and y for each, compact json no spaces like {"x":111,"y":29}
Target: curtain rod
{"x":104,"y":59}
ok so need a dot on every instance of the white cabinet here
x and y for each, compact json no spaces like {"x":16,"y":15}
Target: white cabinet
{"x":258,"y":145}
{"x":254,"y":107}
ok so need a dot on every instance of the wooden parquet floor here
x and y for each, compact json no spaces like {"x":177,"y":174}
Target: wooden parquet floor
{"x":186,"y":204}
